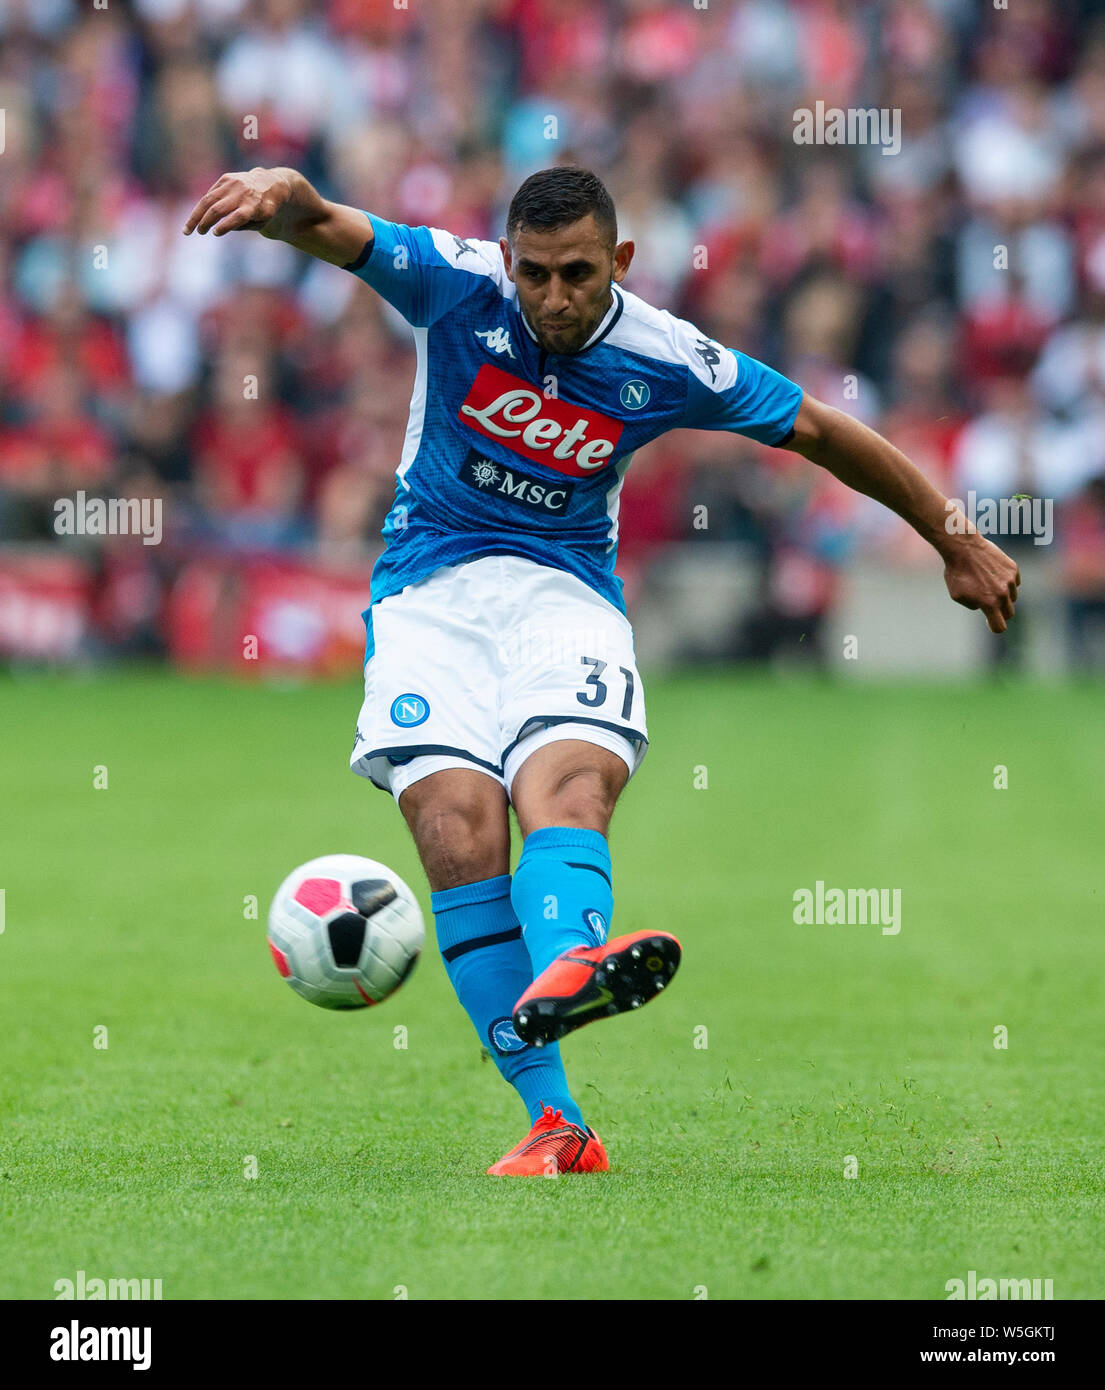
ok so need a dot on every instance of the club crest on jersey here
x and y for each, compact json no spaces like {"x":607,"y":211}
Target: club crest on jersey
{"x":555,"y":433}
{"x":550,"y":497}
{"x":634,"y":395}
{"x":409,"y":710}
{"x":495,"y":339}
{"x":595,"y":922}
{"x":503,"y":1038}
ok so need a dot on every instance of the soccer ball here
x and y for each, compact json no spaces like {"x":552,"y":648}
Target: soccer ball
{"x":345,"y":932}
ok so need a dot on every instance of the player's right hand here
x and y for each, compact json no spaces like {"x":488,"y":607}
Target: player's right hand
{"x":980,"y":575}
{"x":242,"y":202}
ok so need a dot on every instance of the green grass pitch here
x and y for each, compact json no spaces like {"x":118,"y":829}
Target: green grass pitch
{"x":124,"y":910}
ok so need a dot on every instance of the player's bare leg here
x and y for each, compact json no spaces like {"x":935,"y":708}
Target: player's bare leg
{"x":568,"y":783}
{"x":460,"y":826}
{"x":564,"y":788}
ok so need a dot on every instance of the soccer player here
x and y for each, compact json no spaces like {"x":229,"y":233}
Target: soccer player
{"x":499,"y":664}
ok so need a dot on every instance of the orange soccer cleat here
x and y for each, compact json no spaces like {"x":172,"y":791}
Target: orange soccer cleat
{"x":552,"y":1147}
{"x":586,"y":983}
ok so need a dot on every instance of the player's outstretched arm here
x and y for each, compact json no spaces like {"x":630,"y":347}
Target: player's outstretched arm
{"x":978,"y":574}
{"x":283,"y":206}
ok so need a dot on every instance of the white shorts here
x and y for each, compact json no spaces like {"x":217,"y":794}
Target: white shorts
{"x":482,"y":663}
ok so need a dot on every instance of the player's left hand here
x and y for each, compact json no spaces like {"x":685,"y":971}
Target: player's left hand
{"x":979,"y":574}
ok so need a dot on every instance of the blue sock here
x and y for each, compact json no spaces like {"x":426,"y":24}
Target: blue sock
{"x":562,"y":892}
{"x":489,"y":967}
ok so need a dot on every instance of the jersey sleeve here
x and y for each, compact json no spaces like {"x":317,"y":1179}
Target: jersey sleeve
{"x":729,"y":390}
{"x":424,"y":271}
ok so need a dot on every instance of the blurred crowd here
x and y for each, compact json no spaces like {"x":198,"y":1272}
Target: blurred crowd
{"x":952,"y":295}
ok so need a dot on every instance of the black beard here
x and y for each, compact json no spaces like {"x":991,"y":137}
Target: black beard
{"x":583,"y":336}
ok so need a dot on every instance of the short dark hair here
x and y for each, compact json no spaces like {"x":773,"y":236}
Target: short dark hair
{"x":557,"y":197}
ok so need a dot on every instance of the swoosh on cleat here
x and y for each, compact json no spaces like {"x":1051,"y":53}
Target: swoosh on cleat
{"x":607,"y":998}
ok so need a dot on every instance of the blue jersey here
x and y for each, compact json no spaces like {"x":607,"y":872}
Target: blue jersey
{"x":514,"y":450}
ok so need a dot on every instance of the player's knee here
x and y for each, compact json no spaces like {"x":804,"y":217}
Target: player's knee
{"x":461,"y":842}
{"x":583,"y":797}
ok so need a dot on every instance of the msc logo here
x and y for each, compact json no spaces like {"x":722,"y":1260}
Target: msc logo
{"x":503,"y":1038}
{"x":409,"y":710}
{"x":634,"y":395}
{"x":486,"y":475}
{"x":496,"y":339}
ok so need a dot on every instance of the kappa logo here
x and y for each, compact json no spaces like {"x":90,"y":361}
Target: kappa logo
{"x":496,"y":339}
{"x":463,"y":248}
{"x":555,"y":433}
{"x":541,"y":494}
{"x":710,"y":354}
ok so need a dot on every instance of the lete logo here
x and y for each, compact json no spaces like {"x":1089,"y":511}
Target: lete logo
{"x":551,"y":432}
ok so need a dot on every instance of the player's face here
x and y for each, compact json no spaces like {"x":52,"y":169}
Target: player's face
{"x":563,"y":280}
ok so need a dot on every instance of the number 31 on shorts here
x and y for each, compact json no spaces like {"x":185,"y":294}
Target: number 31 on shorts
{"x":599,"y":689}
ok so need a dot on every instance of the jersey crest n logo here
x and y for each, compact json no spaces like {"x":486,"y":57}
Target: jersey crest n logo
{"x":710,"y":354}
{"x":555,"y":433}
{"x":634,"y":395}
{"x":496,"y":339}
{"x":409,"y":710}
{"x":503,"y":1038}
{"x":595,"y":922}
